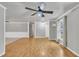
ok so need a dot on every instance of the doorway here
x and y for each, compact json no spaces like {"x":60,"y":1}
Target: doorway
{"x":62,"y":31}
{"x":38,"y":29}
{"x":31,"y":29}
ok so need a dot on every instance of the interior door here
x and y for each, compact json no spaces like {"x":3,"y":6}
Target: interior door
{"x":2,"y":47}
{"x":40,"y":29}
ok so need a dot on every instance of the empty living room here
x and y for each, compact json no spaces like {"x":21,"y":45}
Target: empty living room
{"x":39,"y":29}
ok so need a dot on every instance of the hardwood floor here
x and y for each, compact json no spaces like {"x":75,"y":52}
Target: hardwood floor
{"x":36,"y":47}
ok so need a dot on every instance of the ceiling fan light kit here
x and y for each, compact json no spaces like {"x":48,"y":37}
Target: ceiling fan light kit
{"x":39,"y":13}
{"x":40,"y":10}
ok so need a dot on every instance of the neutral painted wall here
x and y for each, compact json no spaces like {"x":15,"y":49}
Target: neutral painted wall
{"x":16,"y":27}
{"x":1,"y":30}
{"x":73,"y":30}
{"x":52,"y":30}
{"x":16,"y":30}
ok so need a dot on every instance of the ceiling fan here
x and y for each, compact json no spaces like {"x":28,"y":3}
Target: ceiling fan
{"x":40,"y":10}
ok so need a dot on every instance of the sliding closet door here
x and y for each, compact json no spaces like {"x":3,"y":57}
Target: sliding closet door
{"x":1,"y":31}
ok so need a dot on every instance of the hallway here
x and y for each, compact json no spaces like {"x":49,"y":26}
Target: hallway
{"x":36,"y":47}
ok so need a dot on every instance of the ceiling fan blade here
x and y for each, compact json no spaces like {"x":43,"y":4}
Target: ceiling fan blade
{"x":50,"y":12}
{"x":33,"y":14}
{"x":30,"y":9}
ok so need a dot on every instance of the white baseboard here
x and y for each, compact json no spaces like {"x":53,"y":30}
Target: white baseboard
{"x":39,"y":37}
{"x":51,"y":38}
{"x":73,"y":51}
{"x":2,"y":54}
{"x":16,"y":34}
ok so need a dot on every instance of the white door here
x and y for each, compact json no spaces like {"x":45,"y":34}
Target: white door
{"x":40,"y":29}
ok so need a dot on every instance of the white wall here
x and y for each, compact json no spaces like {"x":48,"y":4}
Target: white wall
{"x":73,"y":31}
{"x":17,"y":29}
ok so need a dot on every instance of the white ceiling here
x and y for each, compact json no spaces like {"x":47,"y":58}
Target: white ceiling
{"x":16,"y":10}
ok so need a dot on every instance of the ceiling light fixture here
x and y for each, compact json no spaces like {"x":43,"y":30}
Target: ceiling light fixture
{"x":39,"y":14}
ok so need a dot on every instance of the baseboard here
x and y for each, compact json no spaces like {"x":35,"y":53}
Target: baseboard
{"x":70,"y":50}
{"x":11,"y":40}
{"x":40,"y":37}
{"x":54,"y":41}
{"x":73,"y":51}
{"x":2,"y":54}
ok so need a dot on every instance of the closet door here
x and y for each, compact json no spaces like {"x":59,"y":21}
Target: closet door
{"x":2,"y":49}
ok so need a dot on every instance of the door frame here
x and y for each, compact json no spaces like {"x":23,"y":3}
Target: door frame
{"x":65,"y":31}
{"x":46,"y":32}
{"x":4,"y":28}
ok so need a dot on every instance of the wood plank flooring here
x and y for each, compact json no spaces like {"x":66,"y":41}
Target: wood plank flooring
{"x":36,"y":47}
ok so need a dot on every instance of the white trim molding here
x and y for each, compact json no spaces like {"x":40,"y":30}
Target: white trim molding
{"x":40,"y":37}
{"x":2,"y":54}
{"x":4,"y":27}
{"x":66,"y":13}
{"x":3,"y":6}
{"x":4,"y":30}
{"x":73,"y":51}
